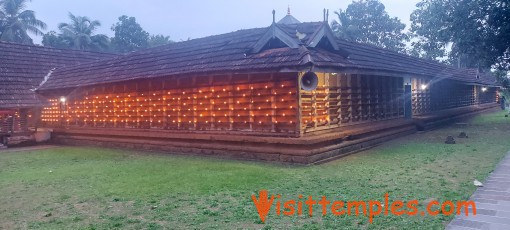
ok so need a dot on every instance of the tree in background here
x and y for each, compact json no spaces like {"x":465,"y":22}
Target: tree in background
{"x":78,"y":34}
{"x":159,"y":40}
{"x":502,"y":70}
{"x":129,"y":35}
{"x":427,"y":48}
{"x":52,"y":39}
{"x":368,"y":22}
{"x":503,"y":78}
{"x":16,"y":22}
{"x":478,"y":32}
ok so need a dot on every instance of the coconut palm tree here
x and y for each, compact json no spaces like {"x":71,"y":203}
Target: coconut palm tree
{"x":16,"y":22}
{"x":343,"y":27}
{"x":78,"y":33}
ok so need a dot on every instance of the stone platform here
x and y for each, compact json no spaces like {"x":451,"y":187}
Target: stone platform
{"x":309,"y":148}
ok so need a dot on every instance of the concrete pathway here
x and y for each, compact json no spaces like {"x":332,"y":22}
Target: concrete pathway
{"x":492,"y":202}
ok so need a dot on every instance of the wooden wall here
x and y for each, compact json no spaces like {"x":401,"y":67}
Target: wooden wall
{"x":450,"y":94}
{"x":490,"y":95}
{"x":420,"y":96}
{"x":447,"y":94}
{"x":348,"y":99}
{"x":14,"y":121}
{"x":264,"y":103}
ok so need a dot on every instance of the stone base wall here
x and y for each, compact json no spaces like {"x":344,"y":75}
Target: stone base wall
{"x":309,"y":149}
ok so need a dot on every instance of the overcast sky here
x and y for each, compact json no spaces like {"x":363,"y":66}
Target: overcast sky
{"x":196,"y":18}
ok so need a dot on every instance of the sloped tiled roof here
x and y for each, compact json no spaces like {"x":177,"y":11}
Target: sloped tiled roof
{"x":231,"y":53}
{"x":307,"y":29}
{"x":288,"y":19}
{"x":225,"y":52}
{"x":23,"y":67}
{"x":371,"y":57}
{"x":479,"y":77}
{"x":14,"y":94}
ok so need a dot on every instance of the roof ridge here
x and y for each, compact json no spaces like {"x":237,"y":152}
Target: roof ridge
{"x":55,"y":48}
{"x":147,"y":50}
{"x":194,"y":40}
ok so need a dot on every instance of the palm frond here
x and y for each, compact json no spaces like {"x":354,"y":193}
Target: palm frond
{"x":16,"y":23}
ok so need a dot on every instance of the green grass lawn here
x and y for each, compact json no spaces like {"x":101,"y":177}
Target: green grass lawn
{"x":95,"y":188}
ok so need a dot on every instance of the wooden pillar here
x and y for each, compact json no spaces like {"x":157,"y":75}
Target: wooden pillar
{"x":136,"y":108}
{"x":124,"y":104}
{"x":23,"y":119}
{"x":194,"y":102}
{"x":408,"y":110}
{"x":150,"y":104}
{"x":273,"y":110}
{"x":14,"y":119}
{"x":366,"y":92}
{"x":356,"y":103}
{"x":299,"y":109}
{"x":326,"y":100}
{"x":251,"y":108}
{"x":230,"y":101}
{"x":314,"y":108}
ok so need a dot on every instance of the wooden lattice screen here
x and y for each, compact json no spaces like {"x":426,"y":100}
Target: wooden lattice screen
{"x":347,"y":99}
{"x":265,"y":103}
{"x":15,"y":121}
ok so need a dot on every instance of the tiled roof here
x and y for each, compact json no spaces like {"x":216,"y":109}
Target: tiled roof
{"x":23,"y":67}
{"x":479,"y":77}
{"x":231,"y":53}
{"x":226,"y":52}
{"x":307,"y":29}
{"x":14,"y":94}
{"x":288,"y":19}
{"x":371,"y":57}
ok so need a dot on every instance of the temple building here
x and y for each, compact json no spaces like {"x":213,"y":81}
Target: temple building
{"x":290,"y":92}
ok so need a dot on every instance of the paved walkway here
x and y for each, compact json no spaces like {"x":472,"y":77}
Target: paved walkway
{"x":492,"y":202}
